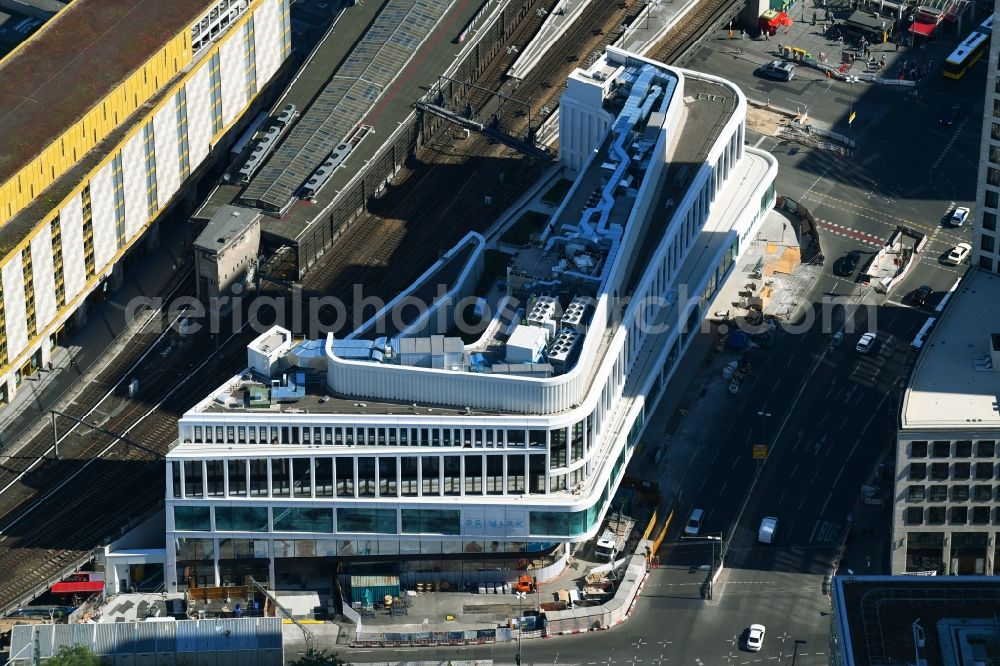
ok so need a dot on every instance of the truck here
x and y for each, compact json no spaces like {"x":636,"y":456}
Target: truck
{"x":612,"y":539}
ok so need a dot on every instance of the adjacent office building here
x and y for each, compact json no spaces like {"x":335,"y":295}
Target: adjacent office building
{"x":415,"y":452}
{"x":985,"y":244}
{"x":107,"y":112}
{"x":947,"y":489}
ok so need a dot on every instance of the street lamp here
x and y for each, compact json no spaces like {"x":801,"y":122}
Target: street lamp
{"x":763,"y":430}
{"x":713,"y":538}
{"x":850,"y":116}
{"x":520,"y":623}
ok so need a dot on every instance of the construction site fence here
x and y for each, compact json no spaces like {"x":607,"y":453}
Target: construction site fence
{"x":662,"y":534}
{"x":613,"y":612}
{"x":373,"y":178}
{"x":427,"y":638}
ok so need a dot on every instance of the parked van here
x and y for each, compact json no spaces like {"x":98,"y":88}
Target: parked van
{"x":768,"y":526}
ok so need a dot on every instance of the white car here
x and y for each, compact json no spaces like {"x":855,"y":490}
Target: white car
{"x":693,"y":525}
{"x":866,"y":343}
{"x":755,"y":637}
{"x":959,"y":216}
{"x":958,"y":254}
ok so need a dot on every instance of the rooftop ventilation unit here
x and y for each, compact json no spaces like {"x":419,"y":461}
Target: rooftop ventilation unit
{"x":562,"y":347}
{"x":574,"y":314}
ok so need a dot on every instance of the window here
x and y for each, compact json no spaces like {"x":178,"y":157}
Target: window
{"x":984,"y":471}
{"x":939,"y":471}
{"x":986,"y":243}
{"x":452,"y":472}
{"x":961,"y":471}
{"x":408,"y":476}
{"x":958,"y":515}
{"x":494,"y":475}
{"x":258,"y":478}
{"x":388,"y":477}
{"x":431,"y":470}
{"x":345,"y":477}
{"x":515,"y":474}
{"x":324,"y":477}
{"x":993,"y":176}
{"x":918,"y":471}
{"x":913,"y":515}
{"x":515,"y":438}
{"x":237,"y":478}
{"x":915,"y":494}
{"x":175,"y":476}
{"x":989,"y":221}
{"x":288,"y":519}
{"x":375,"y":521}
{"x":986,"y":449}
{"x":366,"y":476}
{"x":942,"y":449}
{"x":963,"y":449}
{"x":918,"y":449}
{"x":935,"y":515}
{"x":193,"y":479}
{"x":216,"y":480}
{"x":302,"y":476}
{"x":473,"y":475}
{"x":280,"y":483}
{"x":960,"y":493}
{"x":985,"y":263}
{"x":992,"y":197}
{"x":536,"y":474}
{"x":995,"y":150}
{"x":939,"y":493}
{"x":431,"y":521}
{"x":982,"y":493}
{"x":192,"y":519}
{"x":980,"y":515}
{"x":241,"y":518}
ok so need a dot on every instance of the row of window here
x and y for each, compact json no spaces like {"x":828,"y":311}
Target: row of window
{"x":370,"y":476}
{"x":954,"y":515}
{"x":192,"y":549}
{"x":358,"y":520}
{"x":946,"y":449}
{"x":567,"y":445}
{"x":957,"y":493}
{"x":960,"y":471}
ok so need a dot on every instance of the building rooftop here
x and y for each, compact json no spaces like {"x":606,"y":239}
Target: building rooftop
{"x":73,"y":62}
{"x":956,"y":381}
{"x":227,"y":222}
{"x":875,"y":619}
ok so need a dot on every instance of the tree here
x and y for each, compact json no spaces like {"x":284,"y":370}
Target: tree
{"x":314,"y":657}
{"x":74,"y":655}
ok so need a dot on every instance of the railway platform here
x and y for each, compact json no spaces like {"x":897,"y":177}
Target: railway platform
{"x":108,"y":323}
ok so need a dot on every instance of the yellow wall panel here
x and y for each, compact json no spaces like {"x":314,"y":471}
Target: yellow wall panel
{"x":94,"y":126}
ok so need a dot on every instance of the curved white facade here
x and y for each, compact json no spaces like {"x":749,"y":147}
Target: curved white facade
{"x":521,"y":461}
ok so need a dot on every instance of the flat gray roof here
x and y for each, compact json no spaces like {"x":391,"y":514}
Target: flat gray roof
{"x":227,"y":222}
{"x":951,"y":385}
{"x":73,"y":62}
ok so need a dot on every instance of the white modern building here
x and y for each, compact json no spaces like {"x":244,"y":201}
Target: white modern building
{"x":106,"y":112}
{"x":414,"y":450}
{"x":947,"y":489}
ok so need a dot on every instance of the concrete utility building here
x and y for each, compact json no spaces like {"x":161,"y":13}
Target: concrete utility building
{"x":106,"y":112}
{"x":225,"y":252}
{"x":441,"y":458}
{"x":947,"y":489}
{"x":927,"y":620}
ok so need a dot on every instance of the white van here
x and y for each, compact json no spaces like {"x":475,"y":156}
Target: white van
{"x":768,"y":527}
{"x":693,"y":525}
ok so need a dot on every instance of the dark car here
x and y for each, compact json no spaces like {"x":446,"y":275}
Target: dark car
{"x":951,"y":116}
{"x":845,"y":265}
{"x":920,"y":295}
{"x":779,"y":70}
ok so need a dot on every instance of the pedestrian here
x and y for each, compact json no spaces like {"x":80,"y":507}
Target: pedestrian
{"x":743,"y":34}
{"x":897,"y":47}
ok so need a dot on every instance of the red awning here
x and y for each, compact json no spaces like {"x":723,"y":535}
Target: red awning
{"x":923,"y":29}
{"x":82,"y":587}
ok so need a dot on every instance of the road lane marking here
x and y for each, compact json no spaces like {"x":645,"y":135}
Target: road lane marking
{"x":828,"y":498}
{"x":838,"y":477}
{"x":723,"y":489}
{"x":801,"y":502}
{"x":794,"y":469}
{"x":736,"y":462}
{"x":823,"y":420}
{"x":814,"y":477}
{"x":782,"y":498}
{"x":703,"y":482}
{"x":813,"y":533}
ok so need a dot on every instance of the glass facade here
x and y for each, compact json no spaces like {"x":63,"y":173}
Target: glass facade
{"x":375,"y":521}
{"x":192,"y":518}
{"x":241,"y":519}
{"x":289,"y":519}
{"x":431,"y":521}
